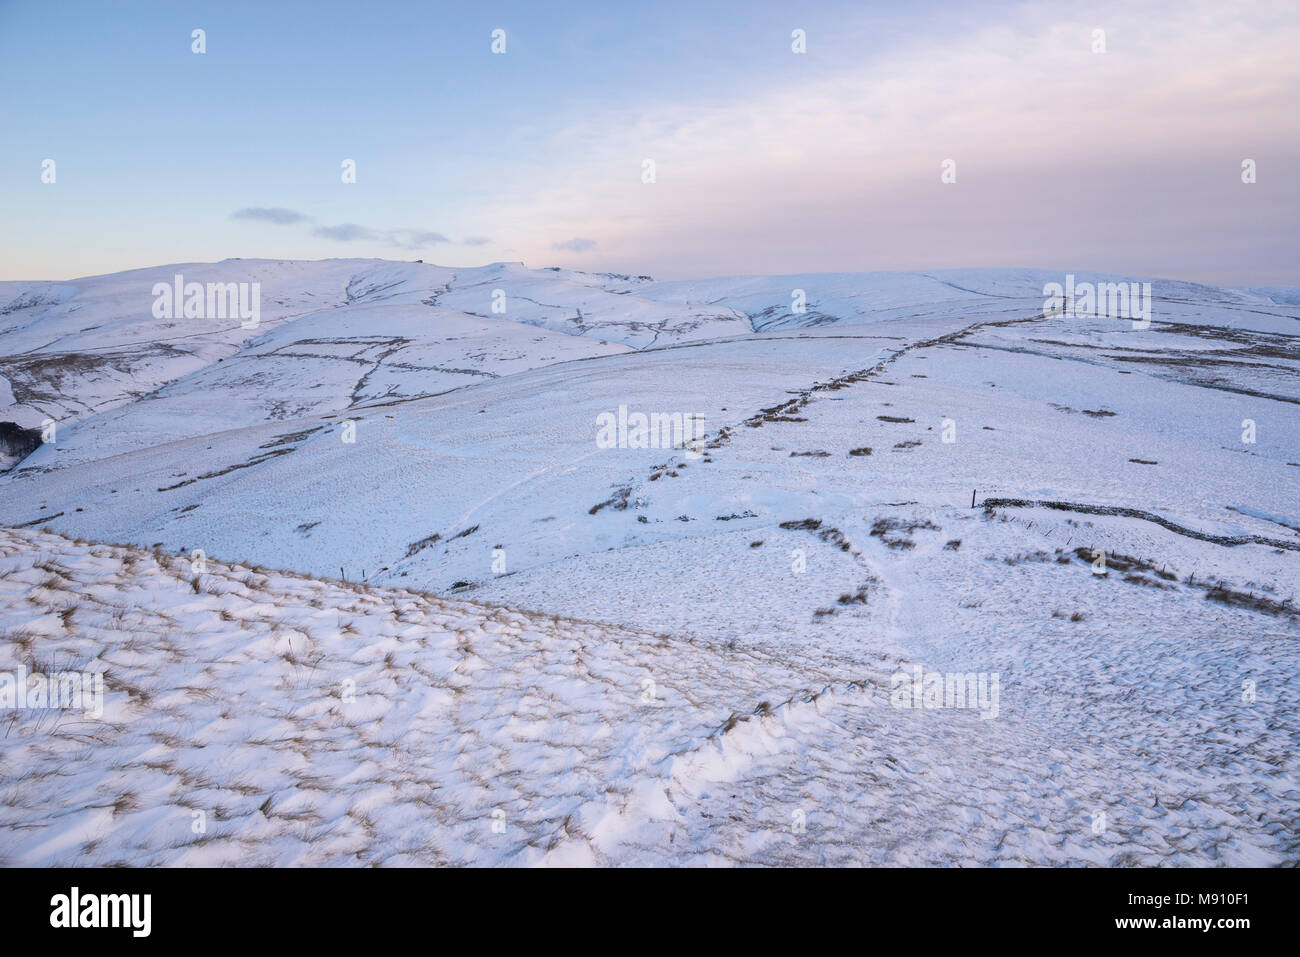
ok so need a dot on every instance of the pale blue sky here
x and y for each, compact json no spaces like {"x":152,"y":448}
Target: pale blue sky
{"x":766,"y":160}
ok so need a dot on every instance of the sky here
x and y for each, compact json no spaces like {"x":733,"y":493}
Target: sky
{"x":765,"y":160}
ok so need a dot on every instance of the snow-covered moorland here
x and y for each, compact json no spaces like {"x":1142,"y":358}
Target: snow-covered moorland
{"x":554,"y":649}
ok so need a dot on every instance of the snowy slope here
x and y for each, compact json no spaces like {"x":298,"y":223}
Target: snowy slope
{"x":74,"y":348}
{"x":388,"y":425}
{"x":253,"y":717}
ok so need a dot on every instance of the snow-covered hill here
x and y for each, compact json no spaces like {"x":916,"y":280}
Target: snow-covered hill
{"x":1128,"y":568}
{"x":256,"y":717}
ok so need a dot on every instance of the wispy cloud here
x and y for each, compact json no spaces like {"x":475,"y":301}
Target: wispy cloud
{"x":403,"y":238}
{"x":1128,"y":158}
{"x":345,"y":233}
{"x":415,"y":238}
{"x":270,"y":214}
{"x":578,"y":244}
